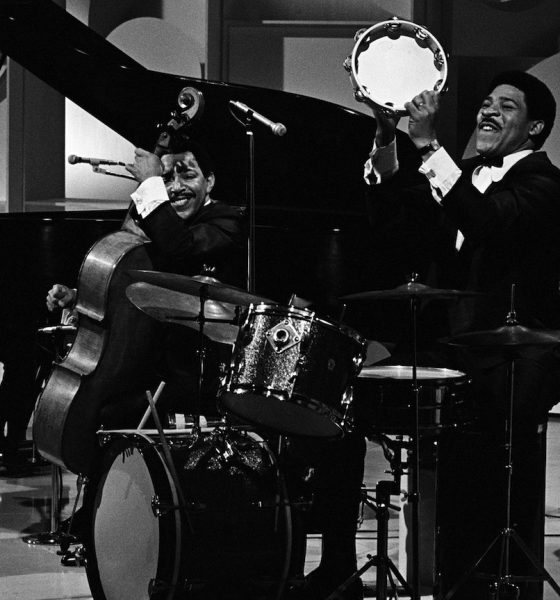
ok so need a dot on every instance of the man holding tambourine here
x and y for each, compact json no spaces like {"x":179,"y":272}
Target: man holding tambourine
{"x":490,"y":225}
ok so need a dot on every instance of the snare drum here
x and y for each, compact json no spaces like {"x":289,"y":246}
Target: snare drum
{"x":291,"y":371}
{"x":384,"y":399}
{"x":231,"y":540}
{"x":393,"y":61}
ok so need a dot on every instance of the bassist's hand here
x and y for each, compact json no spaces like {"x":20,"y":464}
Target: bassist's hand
{"x":60,"y":296}
{"x":146,"y":164}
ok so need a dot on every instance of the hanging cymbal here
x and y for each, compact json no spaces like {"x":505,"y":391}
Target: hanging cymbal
{"x":508,"y":335}
{"x":170,"y":306}
{"x":193,"y":286}
{"x":410,"y":290}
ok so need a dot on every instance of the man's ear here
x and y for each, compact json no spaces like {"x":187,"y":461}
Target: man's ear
{"x":536,"y":127}
{"x":210,"y":181}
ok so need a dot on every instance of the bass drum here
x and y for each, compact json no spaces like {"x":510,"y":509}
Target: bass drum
{"x":232,"y":537}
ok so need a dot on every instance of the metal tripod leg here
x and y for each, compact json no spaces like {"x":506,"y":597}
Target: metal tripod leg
{"x":385,"y":568}
{"x":52,"y":537}
{"x":503,"y":578}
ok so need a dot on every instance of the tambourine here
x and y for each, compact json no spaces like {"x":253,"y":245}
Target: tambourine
{"x":392,"y":62}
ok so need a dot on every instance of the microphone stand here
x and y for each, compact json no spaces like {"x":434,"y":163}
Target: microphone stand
{"x":247,"y":123}
{"x":414,"y":496}
{"x":251,"y":202}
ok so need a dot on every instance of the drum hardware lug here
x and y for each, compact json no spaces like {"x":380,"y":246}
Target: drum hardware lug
{"x":238,"y":367}
{"x":283,"y":336}
{"x":347,"y":64}
{"x":156,"y":586}
{"x":348,"y":396}
{"x":193,"y":585}
{"x":104,"y":439}
{"x":160,"y":509}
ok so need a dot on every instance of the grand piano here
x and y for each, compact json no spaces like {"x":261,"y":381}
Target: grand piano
{"x":311,"y":235}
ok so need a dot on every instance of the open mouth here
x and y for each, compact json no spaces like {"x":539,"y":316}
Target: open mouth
{"x":488,"y":126}
{"x":180,"y":199}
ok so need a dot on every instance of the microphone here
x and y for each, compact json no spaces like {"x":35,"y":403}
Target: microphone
{"x":276,"y":128}
{"x":74,"y":160}
{"x":58,"y":329}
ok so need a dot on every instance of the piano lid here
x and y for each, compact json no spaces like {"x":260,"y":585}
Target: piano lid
{"x":316,"y":168}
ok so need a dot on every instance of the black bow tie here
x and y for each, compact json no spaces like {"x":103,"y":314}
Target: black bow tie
{"x":492,"y":161}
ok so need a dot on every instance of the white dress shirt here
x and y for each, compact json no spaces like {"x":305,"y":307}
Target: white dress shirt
{"x":440,"y":169}
{"x":149,"y":195}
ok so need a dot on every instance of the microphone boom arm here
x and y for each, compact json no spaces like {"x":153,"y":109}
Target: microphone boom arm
{"x":98,"y":169}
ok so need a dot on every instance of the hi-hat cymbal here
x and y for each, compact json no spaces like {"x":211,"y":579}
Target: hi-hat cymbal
{"x":170,"y":306}
{"x":410,"y":290}
{"x":508,"y":335}
{"x":193,"y":286}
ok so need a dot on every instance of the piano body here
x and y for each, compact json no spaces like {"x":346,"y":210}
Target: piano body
{"x":311,"y":233}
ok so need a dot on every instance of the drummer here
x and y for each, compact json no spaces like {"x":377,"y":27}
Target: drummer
{"x":483,"y":224}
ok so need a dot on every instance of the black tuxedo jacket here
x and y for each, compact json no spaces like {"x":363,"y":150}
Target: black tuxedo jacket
{"x":512,"y":236}
{"x":215,"y":237}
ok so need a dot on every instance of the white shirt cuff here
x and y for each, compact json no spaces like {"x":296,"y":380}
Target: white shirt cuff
{"x":382,"y":163}
{"x":149,"y":195}
{"x":441,"y":171}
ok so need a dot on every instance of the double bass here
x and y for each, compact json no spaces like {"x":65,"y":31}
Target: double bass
{"x":112,"y":353}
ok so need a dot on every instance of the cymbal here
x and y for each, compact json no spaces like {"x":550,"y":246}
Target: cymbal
{"x":410,"y":290}
{"x":193,"y":286}
{"x":170,"y":306}
{"x":508,"y":335}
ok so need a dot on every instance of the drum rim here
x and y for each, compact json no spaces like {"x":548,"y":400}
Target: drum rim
{"x":307,"y":315}
{"x":409,"y":24}
{"x":169,"y":525}
{"x":364,"y":373}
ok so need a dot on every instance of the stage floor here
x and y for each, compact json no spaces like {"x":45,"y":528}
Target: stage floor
{"x":35,"y":572}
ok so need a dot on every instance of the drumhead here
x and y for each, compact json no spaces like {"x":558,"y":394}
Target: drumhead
{"x":234,"y":540}
{"x":132,"y":546}
{"x":395,"y":60}
{"x":404,"y":372}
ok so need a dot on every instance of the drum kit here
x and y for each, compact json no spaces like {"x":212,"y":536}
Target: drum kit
{"x":214,"y":499}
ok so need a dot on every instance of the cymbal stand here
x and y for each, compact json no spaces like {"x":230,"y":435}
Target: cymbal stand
{"x":386,"y":570}
{"x":203,"y":296}
{"x":413,"y":496}
{"x":503,"y":580}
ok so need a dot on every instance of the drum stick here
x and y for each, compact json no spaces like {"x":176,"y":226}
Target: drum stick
{"x":149,"y":409}
{"x":168,"y":457}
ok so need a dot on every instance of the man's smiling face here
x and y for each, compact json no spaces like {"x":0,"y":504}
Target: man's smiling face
{"x":186,"y":184}
{"x":503,"y":124}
